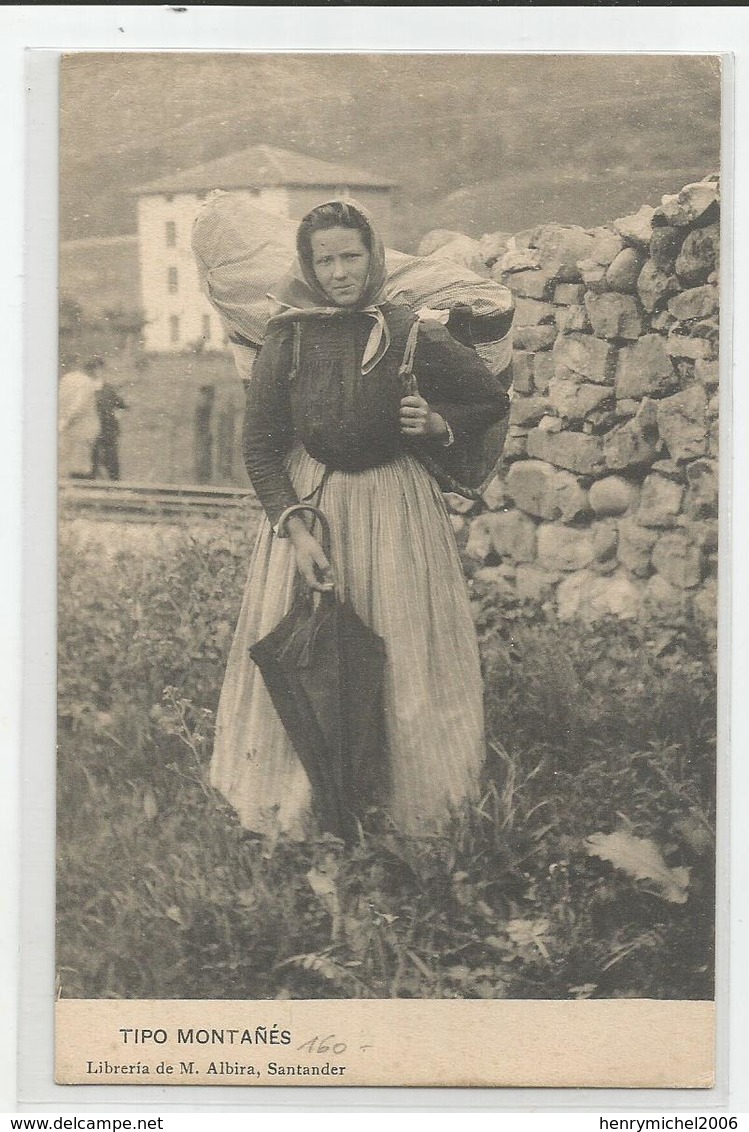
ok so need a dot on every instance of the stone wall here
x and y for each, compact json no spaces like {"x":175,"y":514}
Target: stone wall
{"x":607,"y":501}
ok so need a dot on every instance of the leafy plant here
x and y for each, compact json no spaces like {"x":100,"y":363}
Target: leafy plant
{"x":585,"y":868}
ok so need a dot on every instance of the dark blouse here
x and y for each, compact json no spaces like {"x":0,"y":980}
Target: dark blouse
{"x":347,"y":419}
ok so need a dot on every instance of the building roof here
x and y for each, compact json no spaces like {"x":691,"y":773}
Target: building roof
{"x":262,"y":166}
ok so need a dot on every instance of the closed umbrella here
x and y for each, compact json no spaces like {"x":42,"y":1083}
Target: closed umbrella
{"x":324,"y":670}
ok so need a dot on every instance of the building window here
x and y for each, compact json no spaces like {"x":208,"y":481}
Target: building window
{"x":172,"y":281}
{"x":171,"y":234}
{"x":207,"y":327}
{"x":173,"y":328}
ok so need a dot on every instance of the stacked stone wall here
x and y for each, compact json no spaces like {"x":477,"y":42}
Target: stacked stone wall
{"x":607,"y":501}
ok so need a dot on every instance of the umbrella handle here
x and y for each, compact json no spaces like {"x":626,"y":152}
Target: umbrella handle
{"x":324,"y":524}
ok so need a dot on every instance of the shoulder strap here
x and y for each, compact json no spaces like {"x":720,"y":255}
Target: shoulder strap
{"x":406,"y":371}
{"x":296,"y":350}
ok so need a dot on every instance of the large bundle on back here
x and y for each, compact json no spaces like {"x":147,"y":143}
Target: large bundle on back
{"x":242,"y":252}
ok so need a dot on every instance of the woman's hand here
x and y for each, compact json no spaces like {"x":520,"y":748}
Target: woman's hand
{"x":310,"y":557}
{"x":417,"y":419}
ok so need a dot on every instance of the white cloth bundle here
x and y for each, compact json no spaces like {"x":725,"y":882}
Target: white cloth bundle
{"x":242,"y":251}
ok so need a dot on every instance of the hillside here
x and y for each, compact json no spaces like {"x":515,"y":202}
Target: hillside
{"x":583,"y":137}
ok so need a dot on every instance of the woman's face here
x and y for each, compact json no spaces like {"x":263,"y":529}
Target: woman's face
{"x":340,"y":261}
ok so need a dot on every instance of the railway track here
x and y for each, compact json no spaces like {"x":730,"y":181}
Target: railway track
{"x":152,"y":502}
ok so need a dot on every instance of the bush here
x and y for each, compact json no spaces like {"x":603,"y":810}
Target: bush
{"x":585,"y":871}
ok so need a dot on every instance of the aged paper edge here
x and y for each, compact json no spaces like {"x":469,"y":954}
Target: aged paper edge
{"x":614,"y":1043}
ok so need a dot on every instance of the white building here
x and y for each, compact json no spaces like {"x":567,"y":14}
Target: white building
{"x":288,"y":183}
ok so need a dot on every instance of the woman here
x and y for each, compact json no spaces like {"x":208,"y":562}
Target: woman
{"x":327,"y":420}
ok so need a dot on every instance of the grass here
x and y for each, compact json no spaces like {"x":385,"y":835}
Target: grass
{"x":162,"y":894}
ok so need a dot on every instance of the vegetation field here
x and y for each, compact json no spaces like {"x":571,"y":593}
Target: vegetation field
{"x":586,"y":871}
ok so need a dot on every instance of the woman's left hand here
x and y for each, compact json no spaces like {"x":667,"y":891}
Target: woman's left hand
{"x":417,"y":419}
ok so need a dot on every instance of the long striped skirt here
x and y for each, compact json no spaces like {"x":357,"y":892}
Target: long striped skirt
{"x":394,"y":557}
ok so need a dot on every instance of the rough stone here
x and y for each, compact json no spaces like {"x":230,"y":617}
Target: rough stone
{"x":494,"y":494}
{"x":513,"y":535}
{"x":543,"y":490}
{"x":707,"y":372}
{"x":654,"y":286}
{"x":571,"y":450}
{"x":663,"y":321}
{"x":705,"y":610}
{"x":572,"y":320}
{"x":527,"y":410}
{"x":705,"y":532}
{"x":613,"y":315}
{"x":660,"y":502}
{"x":550,"y":424}
{"x":645,"y":368}
{"x":458,"y":523}
{"x":698,"y":302}
{"x":702,"y":492}
{"x":527,"y":284}
{"x":606,"y":246}
{"x":573,"y":401}
{"x":522,"y":371}
{"x":679,"y":559}
{"x":515,"y":259}
{"x":458,"y":503}
{"x":624,"y":271}
{"x":493,"y":246}
{"x":479,"y":544}
{"x":611,"y":495}
{"x":669,"y":468}
{"x":533,"y":584}
{"x":713,"y":440}
{"x":699,"y":255}
{"x":532,"y":312}
{"x":534,"y":337}
{"x":560,"y":247}
{"x":510,"y":533}
{"x":591,"y":357}
{"x":665,"y":244}
{"x":572,"y":595}
{"x":626,"y":407}
{"x":600,"y":421}
{"x":593,"y":274}
{"x":696,"y":204}
{"x":629,"y":445}
{"x":615,"y":596}
{"x":680,"y":345}
{"x":543,"y":371}
{"x":495,"y":579}
{"x":682,"y":423}
{"x":637,"y":228}
{"x":569,"y":294}
{"x":663,"y":602}
{"x":591,"y":598}
{"x":515,"y":448}
{"x":605,"y":538}
{"x":635,"y":546}
{"x":564,"y":548}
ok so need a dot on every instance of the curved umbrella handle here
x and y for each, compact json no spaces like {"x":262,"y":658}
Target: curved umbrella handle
{"x":324,"y":524}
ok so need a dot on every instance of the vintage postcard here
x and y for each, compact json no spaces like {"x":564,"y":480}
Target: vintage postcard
{"x":388,"y":552}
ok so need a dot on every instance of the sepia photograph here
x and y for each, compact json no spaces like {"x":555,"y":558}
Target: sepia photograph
{"x":387,"y":541}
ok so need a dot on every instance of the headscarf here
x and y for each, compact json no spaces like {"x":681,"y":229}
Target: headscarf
{"x":299,"y":294}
